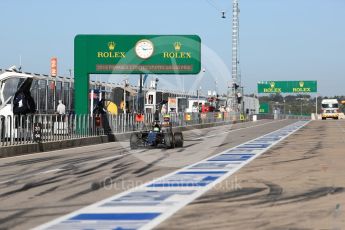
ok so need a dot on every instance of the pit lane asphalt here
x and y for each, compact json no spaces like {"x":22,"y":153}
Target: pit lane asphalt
{"x":37,"y":188}
{"x":297,"y":184}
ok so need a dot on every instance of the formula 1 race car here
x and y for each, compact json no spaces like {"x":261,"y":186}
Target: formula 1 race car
{"x":161,"y":135}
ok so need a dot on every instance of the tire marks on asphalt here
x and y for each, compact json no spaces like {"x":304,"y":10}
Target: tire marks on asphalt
{"x":267,"y":193}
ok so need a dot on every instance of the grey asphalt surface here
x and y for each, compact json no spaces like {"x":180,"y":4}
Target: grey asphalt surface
{"x":297,"y":184}
{"x":38,"y":188}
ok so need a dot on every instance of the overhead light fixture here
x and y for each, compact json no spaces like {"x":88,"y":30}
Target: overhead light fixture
{"x":223,"y":14}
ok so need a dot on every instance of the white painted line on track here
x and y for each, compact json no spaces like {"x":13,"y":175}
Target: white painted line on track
{"x":147,"y":205}
{"x":49,"y":152}
{"x":62,"y":169}
{"x":75,"y":148}
{"x":48,"y":171}
{"x":117,"y":156}
{"x":235,"y":130}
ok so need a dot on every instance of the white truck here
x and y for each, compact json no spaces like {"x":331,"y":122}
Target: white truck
{"x":10,"y":83}
{"x":330,"y":109}
{"x":14,"y":85}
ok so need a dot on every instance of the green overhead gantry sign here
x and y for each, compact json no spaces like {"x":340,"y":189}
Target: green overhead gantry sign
{"x":131,"y":54}
{"x":287,"y":87}
{"x":297,"y":87}
{"x":264,"y":108}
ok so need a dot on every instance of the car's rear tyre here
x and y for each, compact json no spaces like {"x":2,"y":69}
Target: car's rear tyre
{"x":134,"y":141}
{"x":169,"y":141}
{"x":323,"y":118}
{"x":178,"y":140}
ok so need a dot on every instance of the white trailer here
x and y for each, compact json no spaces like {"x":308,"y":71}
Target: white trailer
{"x":330,"y":109}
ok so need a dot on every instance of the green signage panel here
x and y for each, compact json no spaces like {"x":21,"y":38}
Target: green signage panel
{"x":287,"y":87}
{"x":135,"y":54}
{"x":131,"y":54}
{"x":264,"y":108}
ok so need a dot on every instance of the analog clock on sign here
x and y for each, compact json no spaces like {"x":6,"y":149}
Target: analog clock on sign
{"x":144,"y":48}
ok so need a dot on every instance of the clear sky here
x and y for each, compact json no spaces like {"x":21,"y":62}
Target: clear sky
{"x":279,"y":39}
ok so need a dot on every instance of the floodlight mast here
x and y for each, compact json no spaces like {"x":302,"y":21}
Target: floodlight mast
{"x":236,"y":81}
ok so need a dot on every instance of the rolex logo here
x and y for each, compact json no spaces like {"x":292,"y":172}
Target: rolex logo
{"x":272,"y":84}
{"x":177,"y":46}
{"x":301,"y":84}
{"x":111,"y":45}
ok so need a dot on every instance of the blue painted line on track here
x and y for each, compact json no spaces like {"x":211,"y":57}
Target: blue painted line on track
{"x":215,"y":165}
{"x":184,"y":183}
{"x":239,"y":153}
{"x":147,"y":205}
{"x":116,"y":216}
{"x":231,"y":157}
{"x":202,"y":172}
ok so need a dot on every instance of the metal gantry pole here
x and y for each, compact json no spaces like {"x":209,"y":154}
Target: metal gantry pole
{"x":235,"y":57}
{"x":141,"y":98}
{"x":126,"y":84}
{"x":316,"y":116}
